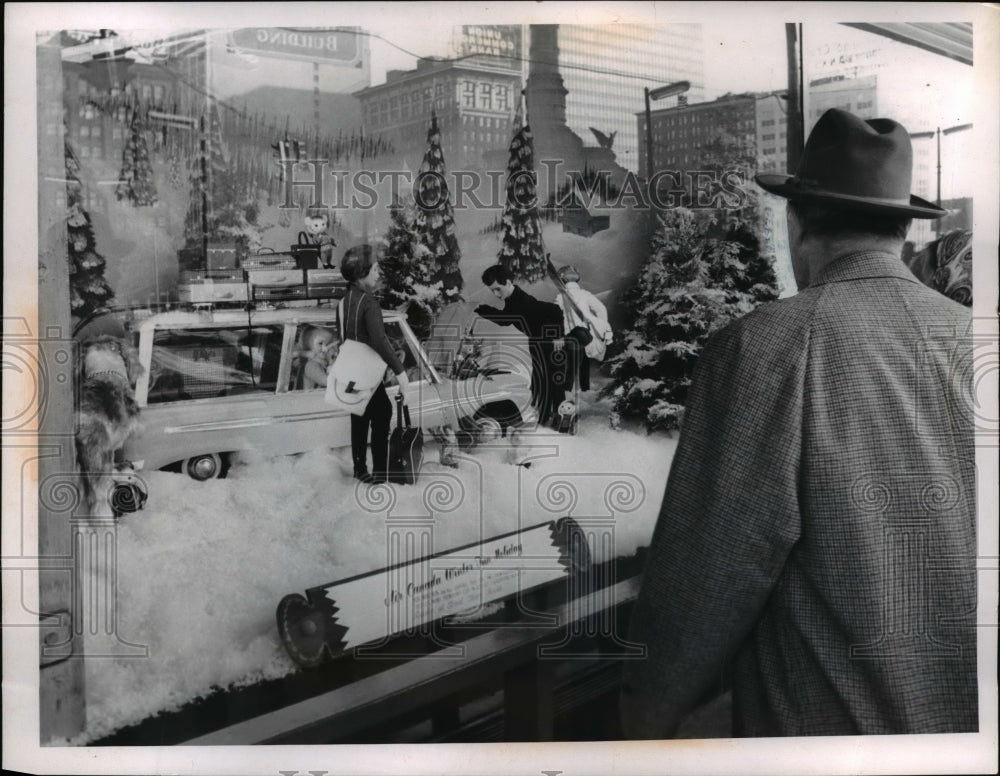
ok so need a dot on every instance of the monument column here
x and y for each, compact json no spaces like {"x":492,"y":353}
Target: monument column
{"x":545,"y":93}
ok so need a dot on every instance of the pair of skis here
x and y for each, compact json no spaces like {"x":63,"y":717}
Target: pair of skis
{"x":554,"y":275}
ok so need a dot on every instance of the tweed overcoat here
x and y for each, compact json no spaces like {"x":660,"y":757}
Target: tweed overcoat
{"x":816,"y":544}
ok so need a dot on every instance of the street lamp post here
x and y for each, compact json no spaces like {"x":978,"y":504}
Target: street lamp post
{"x":658,"y":93}
{"x":937,"y":133}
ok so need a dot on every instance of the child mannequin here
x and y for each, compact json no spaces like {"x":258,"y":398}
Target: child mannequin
{"x":321,"y":349}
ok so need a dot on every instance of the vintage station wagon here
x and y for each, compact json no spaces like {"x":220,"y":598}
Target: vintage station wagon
{"x":222,"y":381}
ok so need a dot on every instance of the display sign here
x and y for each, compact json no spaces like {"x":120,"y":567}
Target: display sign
{"x":845,"y":59}
{"x":336,"y":46}
{"x":496,"y":40}
{"x":334,"y":618}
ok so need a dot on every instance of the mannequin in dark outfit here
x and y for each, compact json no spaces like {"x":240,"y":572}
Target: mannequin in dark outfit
{"x":542,"y":323}
{"x":363,"y":322}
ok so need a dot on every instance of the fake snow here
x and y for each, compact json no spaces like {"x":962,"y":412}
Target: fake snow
{"x":202,"y":568}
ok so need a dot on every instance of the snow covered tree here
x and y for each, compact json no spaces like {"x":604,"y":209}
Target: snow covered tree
{"x":135,"y":181}
{"x":706,"y":269}
{"x":435,"y":218}
{"x":89,"y":291}
{"x":728,"y":151}
{"x":407,"y":269}
{"x":522,"y":252}
{"x":694,"y":283}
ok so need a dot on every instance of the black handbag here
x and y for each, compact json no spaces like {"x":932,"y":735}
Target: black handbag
{"x":581,"y":334}
{"x":306,"y":253}
{"x":406,"y":447}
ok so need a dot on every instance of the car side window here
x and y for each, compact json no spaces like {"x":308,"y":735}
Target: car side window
{"x":413,"y":365}
{"x":205,"y":363}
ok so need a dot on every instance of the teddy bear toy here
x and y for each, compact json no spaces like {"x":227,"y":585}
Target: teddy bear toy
{"x":317,"y":232}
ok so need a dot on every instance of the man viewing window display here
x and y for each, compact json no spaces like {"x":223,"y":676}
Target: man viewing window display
{"x":817,"y":538}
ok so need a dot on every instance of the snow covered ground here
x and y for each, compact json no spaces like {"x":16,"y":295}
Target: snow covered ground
{"x":202,"y":568}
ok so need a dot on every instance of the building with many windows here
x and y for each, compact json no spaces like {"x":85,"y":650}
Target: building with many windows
{"x":474,"y":99}
{"x":96,"y":109}
{"x":771,"y":113}
{"x":857,"y":95}
{"x":680,"y":133}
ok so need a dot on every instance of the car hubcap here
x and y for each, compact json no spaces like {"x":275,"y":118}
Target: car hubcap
{"x":204,"y":467}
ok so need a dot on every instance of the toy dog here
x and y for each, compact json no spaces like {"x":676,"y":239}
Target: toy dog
{"x":107,"y":412}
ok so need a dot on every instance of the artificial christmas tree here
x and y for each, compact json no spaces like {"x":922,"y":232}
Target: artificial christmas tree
{"x":706,"y":270}
{"x":89,"y":291}
{"x":693,"y":284}
{"x":135,"y":181}
{"x":435,"y":219}
{"x":522,"y":252}
{"x":407,"y":268}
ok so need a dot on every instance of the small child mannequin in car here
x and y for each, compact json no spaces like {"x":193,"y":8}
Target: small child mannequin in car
{"x":321,"y":348}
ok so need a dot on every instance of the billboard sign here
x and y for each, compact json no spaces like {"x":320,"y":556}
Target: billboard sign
{"x":330,"y":46}
{"x":497,"y":40}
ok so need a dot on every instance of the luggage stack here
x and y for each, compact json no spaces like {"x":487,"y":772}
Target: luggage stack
{"x":265,"y":276}
{"x":274,"y":277}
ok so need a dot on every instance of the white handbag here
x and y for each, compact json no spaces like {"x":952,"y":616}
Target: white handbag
{"x":354,"y":374}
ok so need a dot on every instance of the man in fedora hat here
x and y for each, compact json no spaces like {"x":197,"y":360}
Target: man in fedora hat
{"x":816,"y":545}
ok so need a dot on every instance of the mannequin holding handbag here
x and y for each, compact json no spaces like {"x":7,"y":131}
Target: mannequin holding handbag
{"x":354,"y":381}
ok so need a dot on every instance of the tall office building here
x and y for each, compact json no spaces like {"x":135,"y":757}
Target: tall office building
{"x":772,"y":132}
{"x":606,"y":67}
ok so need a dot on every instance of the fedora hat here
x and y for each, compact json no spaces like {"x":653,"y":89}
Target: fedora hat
{"x":855,"y":164}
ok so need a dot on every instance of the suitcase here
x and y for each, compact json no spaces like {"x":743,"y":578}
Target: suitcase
{"x":406,"y":447}
{"x":276,"y":285}
{"x":190,"y":258}
{"x":325,"y":284}
{"x":275,"y":277}
{"x":218,"y":275}
{"x":221,"y":256}
{"x":269,"y":260}
{"x":278,"y":293}
{"x":211,"y":291}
